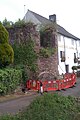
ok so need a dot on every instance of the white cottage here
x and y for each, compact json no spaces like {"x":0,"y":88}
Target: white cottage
{"x":68,"y":44}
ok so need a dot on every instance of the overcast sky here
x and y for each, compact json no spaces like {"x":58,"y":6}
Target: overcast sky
{"x":67,"y":11}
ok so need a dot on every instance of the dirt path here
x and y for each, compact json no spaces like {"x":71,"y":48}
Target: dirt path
{"x":14,"y":106}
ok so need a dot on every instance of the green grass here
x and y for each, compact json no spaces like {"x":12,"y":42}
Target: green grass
{"x":48,"y":107}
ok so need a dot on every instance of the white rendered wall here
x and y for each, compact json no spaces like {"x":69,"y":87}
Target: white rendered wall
{"x":65,"y":44}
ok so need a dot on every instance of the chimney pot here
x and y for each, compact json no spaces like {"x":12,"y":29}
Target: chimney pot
{"x":52,"y":17}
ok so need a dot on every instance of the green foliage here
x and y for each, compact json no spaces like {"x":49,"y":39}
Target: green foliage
{"x":9,"y":79}
{"x":4,"y":36}
{"x":19,"y":23}
{"x":49,"y":107}
{"x":6,"y":55}
{"x":24,"y":70}
{"x":24,"y":54}
{"x":46,"y":52}
{"x":47,"y":39}
{"x":6,"y":51}
{"x":7,"y":23}
{"x":74,"y":67}
{"x":8,"y":117}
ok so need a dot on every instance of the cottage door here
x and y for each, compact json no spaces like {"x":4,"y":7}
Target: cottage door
{"x":67,"y":68}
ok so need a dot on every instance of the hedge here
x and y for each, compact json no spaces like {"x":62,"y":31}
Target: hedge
{"x":9,"y":79}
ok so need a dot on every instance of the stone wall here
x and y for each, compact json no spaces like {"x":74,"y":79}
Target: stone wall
{"x":22,"y":34}
{"x":48,"y":67}
{"x":45,"y":65}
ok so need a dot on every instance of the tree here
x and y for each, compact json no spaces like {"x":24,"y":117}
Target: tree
{"x":7,"y":23}
{"x":6,"y":51}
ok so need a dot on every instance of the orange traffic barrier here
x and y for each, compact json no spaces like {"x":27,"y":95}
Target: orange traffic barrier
{"x":53,"y":85}
{"x":50,"y":85}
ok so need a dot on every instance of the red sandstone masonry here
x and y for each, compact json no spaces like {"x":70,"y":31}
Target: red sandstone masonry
{"x":21,"y":35}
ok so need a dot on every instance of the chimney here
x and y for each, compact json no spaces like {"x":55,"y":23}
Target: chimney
{"x":52,"y":17}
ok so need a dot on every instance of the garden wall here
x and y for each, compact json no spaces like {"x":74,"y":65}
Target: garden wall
{"x":21,"y":35}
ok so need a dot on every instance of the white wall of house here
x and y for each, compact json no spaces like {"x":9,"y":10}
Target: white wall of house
{"x":69,"y":46}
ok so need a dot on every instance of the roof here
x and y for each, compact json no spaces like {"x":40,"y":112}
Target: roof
{"x":60,"y":29}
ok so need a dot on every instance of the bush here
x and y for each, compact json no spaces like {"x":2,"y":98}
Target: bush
{"x":6,"y":54}
{"x":25,"y":76}
{"x":9,"y":79}
{"x":6,"y":51}
{"x":74,"y":67}
{"x":20,"y":23}
{"x":47,"y":52}
{"x":49,"y":107}
{"x":25,"y":55}
{"x":4,"y":36}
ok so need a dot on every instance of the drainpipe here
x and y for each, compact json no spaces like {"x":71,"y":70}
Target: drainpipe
{"x":65,"y":53}
{"x":77,"y":52}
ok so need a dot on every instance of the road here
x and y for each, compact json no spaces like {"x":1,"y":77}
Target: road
{"x":74,"y":91}
{"x":14,"y":106}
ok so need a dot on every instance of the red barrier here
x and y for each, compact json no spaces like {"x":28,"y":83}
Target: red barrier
{"x":50,"y":85}
{"x":53,"y":85}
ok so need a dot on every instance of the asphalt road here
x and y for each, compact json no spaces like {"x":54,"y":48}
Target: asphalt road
{"x":73,"y":91}
{"x":14,"y":106}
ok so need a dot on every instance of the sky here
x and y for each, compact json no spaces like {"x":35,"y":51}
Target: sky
{"x":67,"y":11}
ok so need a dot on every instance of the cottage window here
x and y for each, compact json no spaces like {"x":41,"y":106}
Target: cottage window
{"x":79,"y":55}
{"x":62,"y":56}
{"x":72,"y":41}
{"x":75,"y":58}
{"x":79,"y":43}
{"x":74,"y":55}
{"x":59,"y":37}
{"x":79,"y":58}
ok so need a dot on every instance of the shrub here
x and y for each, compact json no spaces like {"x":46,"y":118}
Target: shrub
{"x":4,"y":36}
{"x":6,"y":54}
{"x":46,"y":52}
{"x":6,"y":51}
{"x":25,"y":75}
{"x":19,"y":23}
{"x":25,"y":55}
{"x":9,"y":79}
{"x":49,"y":107}
{"x":74,"y":67}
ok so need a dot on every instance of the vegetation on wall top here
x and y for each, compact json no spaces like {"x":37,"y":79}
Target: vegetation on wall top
{"x":47,"y":41}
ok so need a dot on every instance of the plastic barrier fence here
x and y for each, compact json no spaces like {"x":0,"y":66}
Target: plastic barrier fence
{"x":53,"y":85}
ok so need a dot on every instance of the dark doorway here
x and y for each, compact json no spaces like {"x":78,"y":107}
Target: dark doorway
{"x":67,"y":68}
